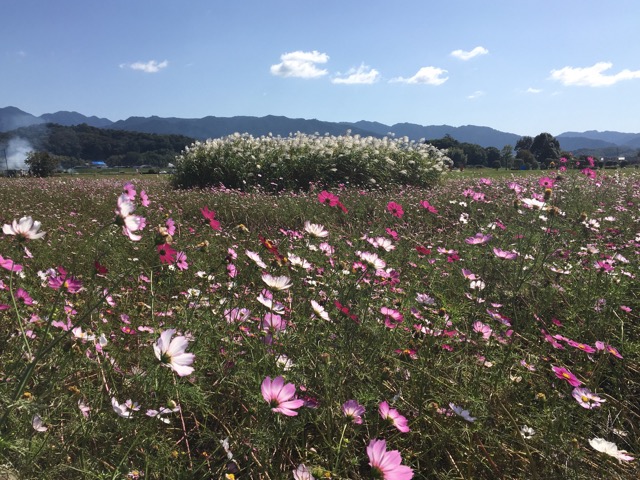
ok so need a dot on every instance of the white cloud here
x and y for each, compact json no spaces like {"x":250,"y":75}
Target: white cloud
{"x":426,"y":75}
{"x":462,"y":55}
{"x":300,"y":64}
{"x":362,"y":75}
{"x":533,"y":90}
{"x":592,"y":76}
{"x":476,"y":94}
{"x":152,"y":66}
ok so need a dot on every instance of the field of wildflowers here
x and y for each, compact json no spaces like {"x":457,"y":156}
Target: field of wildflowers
{"x":276,"y":164}
{"x":480,"y":329}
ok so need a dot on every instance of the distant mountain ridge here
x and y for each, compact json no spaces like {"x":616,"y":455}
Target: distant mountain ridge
{"x":214,"y":127}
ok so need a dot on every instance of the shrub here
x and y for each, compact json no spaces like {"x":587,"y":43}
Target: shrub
{"x":276,"y":163}
{"x":42,"y":164}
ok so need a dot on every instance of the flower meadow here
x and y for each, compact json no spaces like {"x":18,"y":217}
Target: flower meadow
{"x":482,"y":328}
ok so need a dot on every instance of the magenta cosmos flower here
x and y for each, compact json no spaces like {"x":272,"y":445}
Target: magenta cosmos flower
{"x":564,"y":374}
{"x":387,"y":464}
{"x":391,"y":414}
{"x":328,"y":198}
{"x":24,"y":229}
{"x":395,"y":209}
{"x":167,"y":253}
{"x":172,"y":352}
{"x":210,"y":216}
{"x":280,"y":396}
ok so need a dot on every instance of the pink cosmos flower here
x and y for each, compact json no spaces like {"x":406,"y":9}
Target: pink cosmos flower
{"x":67,"y":282}
{"x":391,"y":414}
{"x":430,"y":208}
{"x":387,"y":464}
{"x":392,"y":318}
{"x":581,"y":346}
{"x":9,"y":264}
{"x":478,"y":239}
{"x":353,"y":411}
{"x":586,"y":398}
{"x":24,"y":229}
{"x":144,"y":199}
{"x":280,"y":396}
{"x":610,"y":349}
{"x":172,"y":352}
{"x":272,"y":322}
{"x":483,"y":329}
{"x":302,"y":473}
{"x":395,"y":209}
{"x":504,"y":254}
{"x":171,"y":226}
{"x":129,"y":190}
{"x":564,"y":374}
{"x":236,"y":314}
{"x":515,"y":187}
{"x":23,"y":297}
{"x":546,"y":182}
{"x":181,"y":261}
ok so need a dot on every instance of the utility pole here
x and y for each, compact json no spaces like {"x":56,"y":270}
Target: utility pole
{"x":6,"y":162}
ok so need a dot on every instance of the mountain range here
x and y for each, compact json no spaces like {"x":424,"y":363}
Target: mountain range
{"x":12,"y":118}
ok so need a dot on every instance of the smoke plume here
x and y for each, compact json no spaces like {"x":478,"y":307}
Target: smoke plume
{"x":16,"y":152}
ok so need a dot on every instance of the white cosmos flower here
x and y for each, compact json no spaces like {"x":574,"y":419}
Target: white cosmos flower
{"x":171,"y":352}
{"x":126,"y":409}
{"x":320,"y":311}
{"x":130,"y":223}
{"x":256,"y":258}
{"x":277,"y":283}
{"x":297,"y":261}
{"x":38,"y":424}
{"x":610,"y":448}
{"x":267,"y":301}
{"x":383,"y":243}
{"x":532,"y":203}
{"x":462,"y":413}
{"x":315,"y":230}
{"x":25,"y":228}
{"x":372,"y":259}
{"x":527,"y":432}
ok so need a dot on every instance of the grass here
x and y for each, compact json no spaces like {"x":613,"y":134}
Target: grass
{"x":444,"y":326}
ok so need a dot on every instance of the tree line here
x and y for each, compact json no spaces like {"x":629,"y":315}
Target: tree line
{"x":530,"y":152}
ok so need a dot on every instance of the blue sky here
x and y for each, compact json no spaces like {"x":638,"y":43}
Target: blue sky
{"x":515,"y":65}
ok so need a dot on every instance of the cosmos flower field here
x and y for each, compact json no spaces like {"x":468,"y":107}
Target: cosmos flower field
{"x":484,"y":328}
